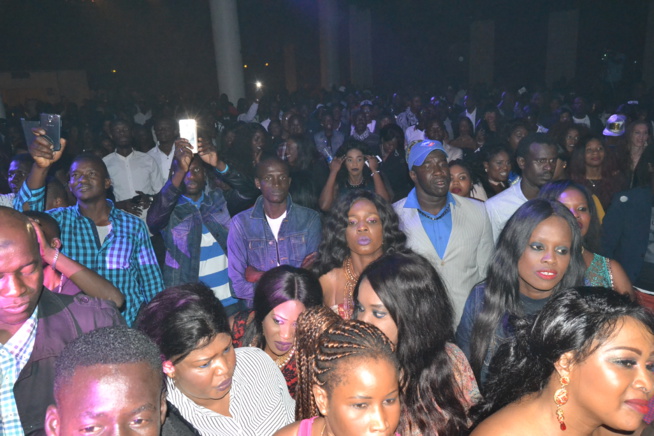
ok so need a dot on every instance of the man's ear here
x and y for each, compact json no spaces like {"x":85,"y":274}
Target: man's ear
{"x":413,"y":176}
{"x":107,"y":183}
{"x":164,"y":407}
{"x":564,"y":365}
{"x":257,"y":183}
{"x":55,"y":243}
{"x":321,"y":399}
{"x":168,"y":369}
{"x":521,"y":162}
{"x":52,"y":427}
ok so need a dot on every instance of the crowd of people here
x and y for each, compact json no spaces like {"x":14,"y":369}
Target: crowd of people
{"x":401,"y":264}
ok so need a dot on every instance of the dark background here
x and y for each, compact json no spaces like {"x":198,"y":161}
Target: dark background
{"x":159,"y":45}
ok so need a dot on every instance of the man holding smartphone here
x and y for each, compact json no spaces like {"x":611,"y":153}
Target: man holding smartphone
{"x":94,"y":232}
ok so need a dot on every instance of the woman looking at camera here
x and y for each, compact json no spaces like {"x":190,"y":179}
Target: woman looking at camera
{"x":360,"y":228}
{"x":538,"y":253}
{"x":353,"y":168}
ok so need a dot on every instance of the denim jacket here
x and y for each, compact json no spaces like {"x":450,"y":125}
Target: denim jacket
{"x":252,"y":243}
{"x":180,"y":224}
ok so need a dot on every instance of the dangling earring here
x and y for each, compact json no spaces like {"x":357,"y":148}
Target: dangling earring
{"x":561,"y":398}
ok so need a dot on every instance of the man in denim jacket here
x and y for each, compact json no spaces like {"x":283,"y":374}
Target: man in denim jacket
{"x":194,"y":225}
{"x":274,"y":232}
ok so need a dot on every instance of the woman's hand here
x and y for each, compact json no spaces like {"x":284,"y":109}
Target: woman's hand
{"x":373,"y":163}
{"x":336,"y":164}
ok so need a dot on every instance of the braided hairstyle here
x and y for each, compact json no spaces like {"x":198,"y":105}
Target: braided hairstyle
{"x":324,"y":342}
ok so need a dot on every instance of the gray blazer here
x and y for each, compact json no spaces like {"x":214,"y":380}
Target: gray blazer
{"x":468,"y":250}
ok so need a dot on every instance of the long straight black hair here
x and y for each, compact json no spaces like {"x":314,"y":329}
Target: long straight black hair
{"x":502,"y":293}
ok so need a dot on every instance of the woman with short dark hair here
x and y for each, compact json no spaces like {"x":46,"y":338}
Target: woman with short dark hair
{"x":219,"y":390}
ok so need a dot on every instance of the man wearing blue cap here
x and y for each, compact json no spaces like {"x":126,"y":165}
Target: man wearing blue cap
{"x":453,"y":232}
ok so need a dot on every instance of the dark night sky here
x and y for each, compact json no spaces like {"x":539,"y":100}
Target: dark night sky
{"x":159,"y":44}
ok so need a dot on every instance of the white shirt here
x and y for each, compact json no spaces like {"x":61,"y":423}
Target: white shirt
{"x":7,"y":200}
{"x":163,"y":160}
{"x":585,"y":121}
{"x":472,"y":116}
{"x":412,"y":133}
{"x":502,"y":206}
{"x":259,"y":401}
{"x":136,"y":172}
{"x":275,"y":224}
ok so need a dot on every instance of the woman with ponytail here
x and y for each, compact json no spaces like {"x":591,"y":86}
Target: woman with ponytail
{"x":348,"y":378}
{"x":584,"y":363}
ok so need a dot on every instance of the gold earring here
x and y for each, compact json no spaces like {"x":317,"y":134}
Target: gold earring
{"x":561,"y":398}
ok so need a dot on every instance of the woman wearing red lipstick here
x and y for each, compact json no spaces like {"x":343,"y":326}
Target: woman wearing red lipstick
{"x":538,"y":253}
{"x":218,"y":390}
{"x":359,"y":229}
{"x":280,"y":296}
{"x":593,"y":167}
{"x":601,"y":271}
{"x":354,"y":167}
{"x":583,"y":366}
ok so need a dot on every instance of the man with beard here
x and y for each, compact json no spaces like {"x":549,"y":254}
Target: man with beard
{"x":94,"y":232}
{"x":536,"y":156}
{"x":274,"y":232}
{"x":194,"y":224}
{"x":452,"y":232}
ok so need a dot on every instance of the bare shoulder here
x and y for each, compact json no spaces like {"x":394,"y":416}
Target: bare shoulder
{"x":289,"y":430}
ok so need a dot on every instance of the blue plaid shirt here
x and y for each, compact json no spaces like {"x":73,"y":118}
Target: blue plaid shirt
{"x":125,"y":258}
{"x":13,"y":357}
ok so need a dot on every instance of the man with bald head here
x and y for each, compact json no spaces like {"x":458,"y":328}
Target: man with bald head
{"x":35,"y":325}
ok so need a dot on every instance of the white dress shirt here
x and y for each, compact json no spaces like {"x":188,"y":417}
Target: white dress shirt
{"x":136,"y":172}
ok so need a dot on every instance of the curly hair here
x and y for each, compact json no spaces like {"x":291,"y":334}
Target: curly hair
{"x":325,"y":342}
{"x":578,"y":320}
{"x":333,"y":249}
{"x":502,"y":293}
{"x":277,"y":286}
{"x":553,"y":190}
{"x":414,"y":295}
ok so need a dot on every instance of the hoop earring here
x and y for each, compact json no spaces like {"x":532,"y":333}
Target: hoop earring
{"x":561,"y":398}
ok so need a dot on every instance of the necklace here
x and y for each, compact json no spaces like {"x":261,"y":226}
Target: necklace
{"x":324,"y":426}
{"x":361,"y":137}
{"x":351,"y":186}
{"x":349,"y":286}
{"x":444,"y":212}
{"x":282,"y":360}
{"x":594,"y":182}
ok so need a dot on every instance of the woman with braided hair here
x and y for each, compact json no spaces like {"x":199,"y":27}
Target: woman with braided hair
{"x":348,"y":378}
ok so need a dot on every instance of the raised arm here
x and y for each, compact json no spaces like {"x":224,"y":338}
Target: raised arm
{"x":89,"y":282}
{"x":329,"y":190}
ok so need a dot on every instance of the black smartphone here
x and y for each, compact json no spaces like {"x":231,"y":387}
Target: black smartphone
{"x":51,"y":123}
{"x":27,"y":130}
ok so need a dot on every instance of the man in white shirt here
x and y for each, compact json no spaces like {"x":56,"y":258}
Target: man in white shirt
{"x":132,"y":172}
{"x":471,"y":108}
{"x":536,"y":157}
{"x":166,"y":130}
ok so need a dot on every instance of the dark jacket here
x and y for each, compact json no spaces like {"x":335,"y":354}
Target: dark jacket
{"x":180,"y":224}
{"x":61,"y":319}
{"x":626,"y":228}
{"x":243,"y":193}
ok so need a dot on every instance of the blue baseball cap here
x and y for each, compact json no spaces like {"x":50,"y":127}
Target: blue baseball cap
{"x":418,"y":151}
